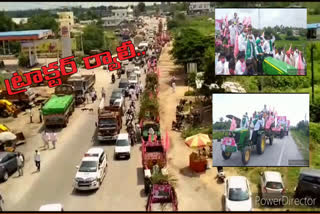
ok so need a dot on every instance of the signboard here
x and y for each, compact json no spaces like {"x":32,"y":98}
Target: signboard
{"x":47,"y":46}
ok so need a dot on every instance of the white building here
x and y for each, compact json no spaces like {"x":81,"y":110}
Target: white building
{"x":199,"y":7}
{"x":19,"y":21}
{"x":118,"y":15}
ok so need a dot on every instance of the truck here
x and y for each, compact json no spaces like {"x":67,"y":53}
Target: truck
{"x":57,"y":110}
{"x":282,"y":127}
{"x":109,"y":122}
{"x":22,"y":100}
{"x":82,"y":84}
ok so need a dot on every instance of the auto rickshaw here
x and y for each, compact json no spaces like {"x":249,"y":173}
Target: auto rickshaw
{"x":9,"y":141}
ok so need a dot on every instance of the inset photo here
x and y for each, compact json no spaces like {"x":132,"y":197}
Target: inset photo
{"x":260,"y":130}
{"x":260,"y":41}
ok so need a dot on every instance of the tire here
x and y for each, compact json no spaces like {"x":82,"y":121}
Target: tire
{"x":129,"y":156}
{"x":245,"y":155}
{"x":261,"y":144}
{"x":5,"y":176}
{"x":271,"y":140}
{"x":226,"y":155}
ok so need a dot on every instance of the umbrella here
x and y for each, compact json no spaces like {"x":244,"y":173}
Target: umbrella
{"x":198,"y":141}
{"x":6,"y":136}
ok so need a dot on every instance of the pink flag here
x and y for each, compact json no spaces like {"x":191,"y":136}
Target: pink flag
{"x":226,"y":20}
{"x":233,"y":125}
{"x":269,"y":122}
{"x":300,"y":65}
{"x":249,"y":21}
{"x":236,"y":46}
{"x":167,"y":145}
{"x":244,"y":22}
{"x":149,"y":64}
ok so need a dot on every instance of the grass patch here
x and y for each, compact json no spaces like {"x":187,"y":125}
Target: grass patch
{"x":189,"y":93}
{"x":313,"y":19}
{"x":302,"y":142}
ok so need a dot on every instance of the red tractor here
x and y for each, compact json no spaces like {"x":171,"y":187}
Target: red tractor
{"x":154,"y":159}
{"x":162,"y":198}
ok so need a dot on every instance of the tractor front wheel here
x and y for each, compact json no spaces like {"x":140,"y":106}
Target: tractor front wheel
{"x":246,"y":153}
{"x":261,"y":144}
{"x":226,"y":155}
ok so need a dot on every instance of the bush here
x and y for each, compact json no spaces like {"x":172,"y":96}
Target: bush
{"x":314,"y":132}
{"x":23,"y":60}
{"x":190,"y":93}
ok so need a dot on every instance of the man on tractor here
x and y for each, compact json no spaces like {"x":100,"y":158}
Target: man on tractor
{"x":245,"y":121}
{"x":258,"y":124}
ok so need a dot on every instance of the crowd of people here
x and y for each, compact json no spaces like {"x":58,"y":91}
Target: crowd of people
{"x":240,"y":52}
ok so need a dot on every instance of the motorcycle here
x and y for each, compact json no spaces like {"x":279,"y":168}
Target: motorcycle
{"x":119,"y":74}
{"x":221,"y":176}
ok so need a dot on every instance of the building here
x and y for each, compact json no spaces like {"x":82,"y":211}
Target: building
{"x":313,"y":31}
{"x":19,"y":21}
{"x":118,"y":16}
{"x":66,"y":17}
{"x":88,"y":22}
{"x":199,"y":8}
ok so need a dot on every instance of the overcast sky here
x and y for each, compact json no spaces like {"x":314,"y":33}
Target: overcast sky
{"x":294,"y":106}
{"x":52,"y":5}
{"x":296,"y":17}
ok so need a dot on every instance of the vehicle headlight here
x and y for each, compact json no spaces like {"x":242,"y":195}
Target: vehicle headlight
{"x":77,"y":179}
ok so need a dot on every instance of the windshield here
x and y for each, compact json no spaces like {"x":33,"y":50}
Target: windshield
{"x":122,"y":143}
{"x":274,"y":185}
{"x":123,"y":84}
{"x":132,"y":78}
{"x":88,"y":166}
{"x":107,"y":122}
{"x":116,"y":95}
{"x":238,"y":194}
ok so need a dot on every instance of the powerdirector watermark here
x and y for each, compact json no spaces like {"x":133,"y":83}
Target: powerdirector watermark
{"x":298,"y":162}
{"x":285,"y":200}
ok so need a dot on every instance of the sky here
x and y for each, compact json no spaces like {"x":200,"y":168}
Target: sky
{"x":294,"y":106}
{"x":288,"y":17}
{"x":52,"y":5}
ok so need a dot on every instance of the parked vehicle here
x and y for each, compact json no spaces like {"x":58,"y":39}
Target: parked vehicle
{"x":146,"y":126}
{"x":308,"y":184}
{"x":123,"y":146}
{"x":8,"y":164}
{"x":52,"y":208}
{"x":8,"y":109}
{"x":137,"y":71}
{"x":239,"y":140}
{"x":82,"y":83}
{"x":22,"y":100}
{"x":237,"y":194}
{"x":272,"y":186}
{"x":9,"y":141}
{"x":124,"y":85}
{"x":92,"y":170}
{"x":116,"y":94}
{"x":58,"y":109}
{"x":109,"y":123}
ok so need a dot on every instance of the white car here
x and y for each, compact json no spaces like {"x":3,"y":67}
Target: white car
{"x":123,"y":146}
{"x":92,"y":170}
{"x":133,"y":79}
{"x":51,"y":208}
{"x":137,"y":70}
{"x":272,"y":185}
{"x":237,"y":194}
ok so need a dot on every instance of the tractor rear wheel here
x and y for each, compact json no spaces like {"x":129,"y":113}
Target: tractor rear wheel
{"x":226,"y":155}
{"x":246,"y":153}
{"x":261,"y":144}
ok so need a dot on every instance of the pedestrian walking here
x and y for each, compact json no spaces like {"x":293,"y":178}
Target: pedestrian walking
{"x":87,"y":95}
{"x":103,"y":93}
{"x":40,"y":114}
{"x":30,"y":115}
{"x":37,"y":160}
{"x":20,"y":161}
{"x":53,"y":139}
{"x":45,"y":138}
{"x":137,"y":90}
{"x":173,"y":87}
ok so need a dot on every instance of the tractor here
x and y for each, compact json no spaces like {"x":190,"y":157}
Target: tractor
{"x":239,"y":140}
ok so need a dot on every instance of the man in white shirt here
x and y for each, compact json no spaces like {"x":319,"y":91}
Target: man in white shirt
{"x":233,"y":30}
{"x":222,"y":67}
{"x":240,"y":65}
{"x":242,"y":41}
{"x":268,"y":46}
{"x":37,"y":160}
{"x":259,"y":124}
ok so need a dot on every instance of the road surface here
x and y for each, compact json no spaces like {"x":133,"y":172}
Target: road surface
{"x":278,"y":154}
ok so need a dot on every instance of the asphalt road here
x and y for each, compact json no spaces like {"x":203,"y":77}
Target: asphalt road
{"x":278,"y":154}
{"x":121,"y":190}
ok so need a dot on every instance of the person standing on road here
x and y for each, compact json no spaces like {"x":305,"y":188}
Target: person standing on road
{"x":53,"y":139}
{"x":37,"y":160}
{"x":173,"y":87}
{"x":137,"y":90}
{"x":103,"y":93}
{"x":40,"y":113}
{"x":20,"y":164}
{"x":45,"y":138}
{"x":93,"y":95}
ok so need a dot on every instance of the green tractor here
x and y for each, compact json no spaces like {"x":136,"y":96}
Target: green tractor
{"x":239,"y":140}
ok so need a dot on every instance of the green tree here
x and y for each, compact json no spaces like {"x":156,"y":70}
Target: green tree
{"x":6,"y":24}
{"x":42,"y":21}
{"x":289,"y":32}
{"x":141,"y":7}
{"x":93,"y":38}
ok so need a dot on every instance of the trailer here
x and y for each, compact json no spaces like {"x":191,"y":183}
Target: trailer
{"x":82,"y":84}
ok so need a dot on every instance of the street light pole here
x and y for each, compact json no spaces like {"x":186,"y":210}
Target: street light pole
{"x":312,"y":73}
